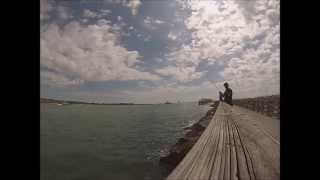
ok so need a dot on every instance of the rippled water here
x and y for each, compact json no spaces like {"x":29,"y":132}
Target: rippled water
{"x":110,"y":142}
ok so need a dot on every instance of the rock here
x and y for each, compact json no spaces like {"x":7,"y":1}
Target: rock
{"x":177,"y":153}
{"x":184,"y":144}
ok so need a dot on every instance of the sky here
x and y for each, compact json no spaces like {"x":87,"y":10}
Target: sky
{"x":112,"y":51}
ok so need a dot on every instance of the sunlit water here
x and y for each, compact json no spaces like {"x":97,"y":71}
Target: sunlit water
{"x":97,"y":142}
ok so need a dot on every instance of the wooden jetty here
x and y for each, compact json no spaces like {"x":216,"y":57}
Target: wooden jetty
{"x":238,"y":144}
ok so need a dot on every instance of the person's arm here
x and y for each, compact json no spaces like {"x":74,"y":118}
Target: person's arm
{"x":220,"y":96}
{"x":225,"y":94}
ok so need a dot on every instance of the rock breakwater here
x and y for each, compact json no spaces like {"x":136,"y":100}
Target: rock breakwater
{"x":185,"y":143}
{"x":267,"y":105}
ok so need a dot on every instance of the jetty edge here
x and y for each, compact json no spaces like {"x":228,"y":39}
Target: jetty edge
{"x":237,"y":144}
{"x":191,"y":134}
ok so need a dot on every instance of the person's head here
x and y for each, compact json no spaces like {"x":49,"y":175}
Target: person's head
{"x":226,"y":85}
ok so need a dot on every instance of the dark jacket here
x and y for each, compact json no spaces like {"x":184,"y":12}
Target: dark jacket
{"x":228,"y":96}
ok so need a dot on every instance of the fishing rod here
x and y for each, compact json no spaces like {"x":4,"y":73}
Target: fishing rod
{"x":219,"y":94}
{"x":236,"y":82}
{"x":215,"y":84}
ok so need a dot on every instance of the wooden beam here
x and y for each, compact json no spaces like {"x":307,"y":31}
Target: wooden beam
{"x":237,"y":144}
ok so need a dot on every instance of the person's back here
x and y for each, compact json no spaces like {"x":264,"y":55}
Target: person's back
{"x":228,"y":96}
{"x":220,"y":96}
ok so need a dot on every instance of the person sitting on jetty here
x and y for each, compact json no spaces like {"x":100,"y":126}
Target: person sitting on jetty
{"x":227,"y":95}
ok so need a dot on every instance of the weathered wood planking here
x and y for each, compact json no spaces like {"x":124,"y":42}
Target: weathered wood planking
{"x":237,"y":144}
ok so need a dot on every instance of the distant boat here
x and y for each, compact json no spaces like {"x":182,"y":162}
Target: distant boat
{"x":167,"y":102}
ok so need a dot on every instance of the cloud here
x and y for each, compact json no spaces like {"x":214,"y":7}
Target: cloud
{"x":256,"y":71}
{"x":151,"y":23}
{"x":175,"y":92}
{"x":89,"y":14}
{"x":172,"y":36}
{"x":133,"y":5}
{"x":157,"y":21}
{"x":105,"y":12}
{"x":119,"y":18}
{"x":211,"y":42}
{"x":58,"y":80}
{"x":221,"y":33}
{"x":97,"y":56}
{"x":217,"y":28}
{"x":97,"y":14}
{"x":147,"y":38}
{"x":183,"y":64}
{"x":184,"y":74}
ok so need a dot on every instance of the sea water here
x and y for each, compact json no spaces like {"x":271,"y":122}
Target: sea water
{"x":110,"y":142}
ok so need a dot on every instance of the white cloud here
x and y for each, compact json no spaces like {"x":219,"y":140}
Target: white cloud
{"x":96,"y":56}
{"x":217,"y":28}
{"x":119,"y":18}
{"x":148,"y":23}
{"x":151,"y":23}
{"x":58,"y":80}
{"x":184,"y":74}
{"x":147,"y":38}
{"x":220,"y":31}
{"x":133,"y":5}
{"x":175,"y":92}
{"x":172,"y":36}
{"x":256,"y":71}
{"x":242,"y":40}
{"x":105,"y":12}
{"x":89,"y":14}
{"x":157,"y":21}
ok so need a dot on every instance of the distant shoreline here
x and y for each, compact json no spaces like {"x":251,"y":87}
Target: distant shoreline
{"x":67,"y":102}
{"x":123,"y":104}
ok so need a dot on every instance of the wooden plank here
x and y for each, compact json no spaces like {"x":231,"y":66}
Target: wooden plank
{"x":237,"y":144}
{"x":261,"y":136}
